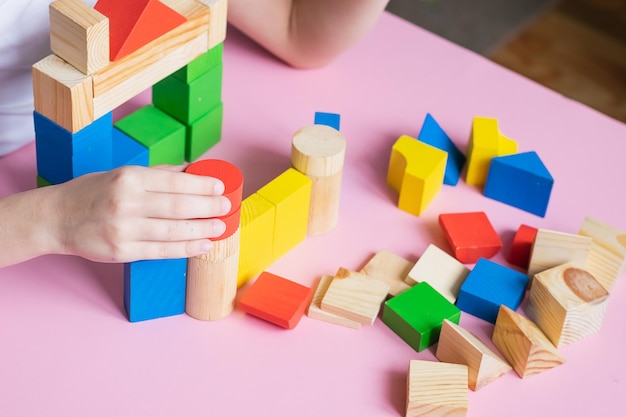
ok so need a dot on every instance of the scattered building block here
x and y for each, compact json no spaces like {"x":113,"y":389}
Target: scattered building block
{"x":290,"y":193}
{"x":523,"y":344}
{"x":390,"y":268}
{"x":218,"y":10}
{"x":329,"y":119}
{"x":257,"y":233}
{"x":315,"y":307}
{"x":136,"y":23}
{"x":163,"y":135}
{"x":490,"y":285}
{"x":276,"y":300}
{"x":442,"y":271}
{"x":63,"y":94}
{"x":79,"y":35}
{"x":355,"y":296}
{"x":567,"y":303}
{"x":204,"y":133}
{"x":318,"y":151}
{"x":486,"y":142}
{"x":520,"y":180}
{"x":606,"y":260}
{"x":417,"y":314}
{"x":551,"y":248}
{"x":436,"y":389}
{"x":432,"y":134}
{"x":201,"y":65}
{"x":416,"y":172}
{"x":519,"y":253}
{"x":470,"y":235}
{"x":154,"y":288}
{"x":457,"y":345}
{"x":127,"y":151}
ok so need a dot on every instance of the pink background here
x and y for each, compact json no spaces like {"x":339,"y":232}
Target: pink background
{"x":66,"y":347}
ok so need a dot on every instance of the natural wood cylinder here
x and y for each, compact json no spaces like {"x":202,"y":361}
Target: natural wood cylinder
{"x":318,"y":151}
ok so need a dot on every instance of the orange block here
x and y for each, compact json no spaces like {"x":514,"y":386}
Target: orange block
{"x":519,"y":254}
{"x":135,"y":23}
{"x":470,"y":235}
{"x":277,"y":300}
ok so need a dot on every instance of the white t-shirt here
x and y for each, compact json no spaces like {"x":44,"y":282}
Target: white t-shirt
{"x":24,"y":40}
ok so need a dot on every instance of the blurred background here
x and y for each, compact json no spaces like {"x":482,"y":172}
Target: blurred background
{"x":575,"y":47}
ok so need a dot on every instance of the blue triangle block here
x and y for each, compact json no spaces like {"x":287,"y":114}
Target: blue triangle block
{"x":433,"y":135}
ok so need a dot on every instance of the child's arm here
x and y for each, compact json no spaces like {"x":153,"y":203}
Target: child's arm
{"x":305,"y":33}
{"x":123,"y":215}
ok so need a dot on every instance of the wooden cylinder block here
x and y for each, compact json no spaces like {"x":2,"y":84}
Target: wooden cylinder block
{"x":318,"y":151}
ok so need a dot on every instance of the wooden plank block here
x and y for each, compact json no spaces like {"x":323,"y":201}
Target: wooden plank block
{"x":436,"y":389}
{"x":218,"y":10}
{"x":390,"y":268}
{"x":79,"y":35}
{"x":551,"y":248}
{"x":315,"y":307}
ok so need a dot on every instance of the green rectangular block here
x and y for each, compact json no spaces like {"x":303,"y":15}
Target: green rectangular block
{"x":416,"y":315}
{"x":204,"y":133}
{"x":199,"y":66}
{"x":187,"y":102}
{"x":163,"y":135}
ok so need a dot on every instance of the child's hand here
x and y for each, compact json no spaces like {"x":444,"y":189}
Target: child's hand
{"x":134,"y":213}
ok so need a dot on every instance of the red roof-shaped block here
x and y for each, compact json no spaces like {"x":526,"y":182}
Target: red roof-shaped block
{"x":134,"y":23}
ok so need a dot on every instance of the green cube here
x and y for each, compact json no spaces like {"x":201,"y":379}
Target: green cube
{"x":187,"y":102}
{"x":199,"y":66}
{"x":204,"y":133}
{"x":416,"y":315}
{"x":163,"y":135}
{"x":42,"y":182}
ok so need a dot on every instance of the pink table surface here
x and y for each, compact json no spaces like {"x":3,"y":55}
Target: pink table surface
{"x":67,"y":349}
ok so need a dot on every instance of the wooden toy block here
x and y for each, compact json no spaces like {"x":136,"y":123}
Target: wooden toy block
{"x":486,"y":142}
{"x":127,"y":151}
{"x":417,"y":314}
{"x":315,"y":307}
{"x":201,"y":65}
{"x":218,"y":10}
{"x":154,"y":288}
{"x":432,"y":134}
{"x":567,"y":303}
{"x":79,"y":35}
{"x":163,"y":135}
{"x":329,"y":119}
{"x":204,"y":133}
{"x":390,"y":268}
{"x":136,"y":23}
{"x":607,"y":257}
{"x":63,"y":94}
{"x":212,"y":277}
{"x":458,"y":345}
{"x":551,"y":248}
{"x":519,"y":253}
{"x":436,"y":389}
{"x":520,"y":180}
{"x":490,"y":285}
{"x":290,"y":192}
{"x":470,"y":235}
{"x":277,"y":300}
{"x":523,"y":344}
{"x":257,"y":233}
{"x":416,"y":172}
{"x":187,"y":102}
{"x":442,"y":271}
{"x":318,"y":151}
{"x":355,"y":296}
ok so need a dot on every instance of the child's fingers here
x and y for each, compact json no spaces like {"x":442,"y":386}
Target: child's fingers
{"x":183,"y":206}
{"x":172,"y":181}
{"x":160,"y":230}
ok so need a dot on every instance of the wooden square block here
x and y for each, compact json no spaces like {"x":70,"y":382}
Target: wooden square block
{"x":436,"y":389}
{"x":551,"y":248}
{"x":390,"y":268}
{"x":470,"y":235}
{"x":607,"y":257}
{"x":315,"y":308}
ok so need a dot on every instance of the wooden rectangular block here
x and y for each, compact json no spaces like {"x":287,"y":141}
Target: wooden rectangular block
{"x":436,"y":389}
{"x":388,"y":267}
{"x":315,"y":308}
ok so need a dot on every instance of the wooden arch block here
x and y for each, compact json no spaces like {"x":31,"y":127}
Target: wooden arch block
{"x":436,"y":389}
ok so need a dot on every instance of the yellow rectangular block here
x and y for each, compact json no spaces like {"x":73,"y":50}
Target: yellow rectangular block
{"x":256,"y":235}
{"x":290,"y":192}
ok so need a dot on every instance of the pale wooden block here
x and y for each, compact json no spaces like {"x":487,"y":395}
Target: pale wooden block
{"x":551,"y":248}
{"x":62,"y":93}
{"x":390,"y":268}
{"x":218,"y":10}
{"x":315,"y":308}
{"x":567,"y":303}
{"x":523,"y":344}
{"x":441,"y":270}
{"x":355,"y":296}
{"x":607,"y":257}
{"x":79,"y":34}
{"x":458,"y":345}
{"x":436,"y":389}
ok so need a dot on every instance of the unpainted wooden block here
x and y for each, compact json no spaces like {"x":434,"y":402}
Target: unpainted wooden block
{"x":315,"y":307}
{"x":391,"y":268}
{"x":436,"y":389}
{"x":607,"y":257}
{"x":552,"y":248}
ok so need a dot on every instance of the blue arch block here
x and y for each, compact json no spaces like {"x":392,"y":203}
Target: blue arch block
{"x":432,"y":134}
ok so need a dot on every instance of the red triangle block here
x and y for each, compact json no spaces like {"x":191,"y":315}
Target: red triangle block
{"x":135,"y":23}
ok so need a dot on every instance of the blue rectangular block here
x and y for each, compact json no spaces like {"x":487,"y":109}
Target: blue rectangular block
{"x":329,"y":119}
{"x":127,"y":151}
{"x":155,"y":288}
